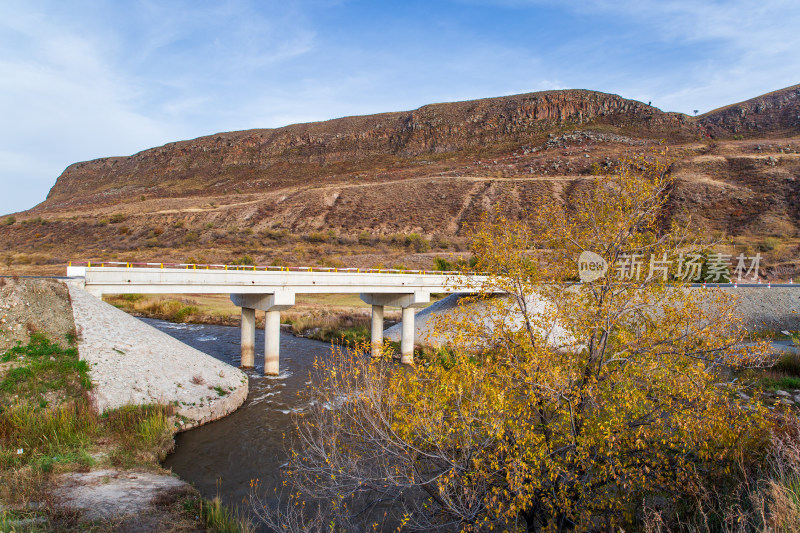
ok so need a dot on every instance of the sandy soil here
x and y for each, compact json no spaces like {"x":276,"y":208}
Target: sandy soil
{"x":33,"y":305}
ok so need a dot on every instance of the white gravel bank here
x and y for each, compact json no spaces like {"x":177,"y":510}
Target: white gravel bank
{"x":134,"y":363}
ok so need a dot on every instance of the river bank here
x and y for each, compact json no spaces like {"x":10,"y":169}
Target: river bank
{"x":77,"y":452}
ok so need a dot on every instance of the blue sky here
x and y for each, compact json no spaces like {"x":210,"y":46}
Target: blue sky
{"x":82,"y":80}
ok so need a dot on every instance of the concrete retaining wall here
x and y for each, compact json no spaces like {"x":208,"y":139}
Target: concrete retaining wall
{"x":134,"y":363}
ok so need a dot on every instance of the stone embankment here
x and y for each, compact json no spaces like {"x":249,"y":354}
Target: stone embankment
{"x":130,"y":363}
{"x":761,"y":309}
{"x":134,"y":363}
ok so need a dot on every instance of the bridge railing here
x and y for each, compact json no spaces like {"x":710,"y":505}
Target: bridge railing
{"x":267,"y":268}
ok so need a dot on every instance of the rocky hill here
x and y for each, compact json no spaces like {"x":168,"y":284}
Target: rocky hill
{"x":393,"y":187}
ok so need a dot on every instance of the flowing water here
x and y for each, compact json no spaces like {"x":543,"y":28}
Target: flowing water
{"x":248,"y":444}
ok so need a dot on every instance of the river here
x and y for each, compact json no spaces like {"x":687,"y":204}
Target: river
{"x":225,"y":455}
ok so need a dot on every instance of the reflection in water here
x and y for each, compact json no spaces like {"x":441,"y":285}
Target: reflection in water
{"x":248,"y":444}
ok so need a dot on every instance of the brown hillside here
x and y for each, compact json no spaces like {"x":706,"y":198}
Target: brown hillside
{"x":354,"y":190}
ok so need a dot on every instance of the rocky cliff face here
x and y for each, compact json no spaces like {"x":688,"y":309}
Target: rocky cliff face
{"x":259,"y":160}
{"x":360,"y":185}
{"x":773,"y":114}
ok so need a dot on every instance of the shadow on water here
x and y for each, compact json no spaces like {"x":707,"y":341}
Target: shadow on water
{"x":248,"y":444}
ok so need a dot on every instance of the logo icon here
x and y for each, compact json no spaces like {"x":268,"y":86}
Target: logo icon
{"x":591,"y":266}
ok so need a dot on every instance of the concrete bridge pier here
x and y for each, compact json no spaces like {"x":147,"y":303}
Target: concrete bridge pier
{"x":407,"y":337}
{"x":408,"y":302}
{"x":248,"y":337}
{"x":377,"y":330}
{"x":272,"y":304}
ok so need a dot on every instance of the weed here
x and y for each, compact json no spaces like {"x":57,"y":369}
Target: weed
{"x":184,"y":312}
{"x":44,"y":366}
{"x":316,"y":236}
{"x":349,"y":330}
{"x":217,"y":517}
{"x":364,"y":238}
{"x":781,"y":383}
{"x":443,"y":265}
{"x":789,"y":364}
{"x":770,"y":243}
{"x":244,"y":260}
{"x":140,"y":430}
{"x":278,"y":235}
{"x":416,"y":241}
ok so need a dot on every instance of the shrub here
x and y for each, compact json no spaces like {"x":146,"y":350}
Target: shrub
{"x":11,"y":220}
{"x":316,"y":236}
{"x":418,"y":242}
{"x":275,"y":234}
{"x":116,"y":218}
{"x":770,"y":243}
{"x":789,"y":363}
{"x":183,"y":314}
{"x":244,"y":260}
{"x":569,"y":416}
{"x":443,"y":265}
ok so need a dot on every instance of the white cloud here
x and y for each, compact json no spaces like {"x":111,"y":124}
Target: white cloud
{"x":80,"y":81}
{"x":73,"y":88}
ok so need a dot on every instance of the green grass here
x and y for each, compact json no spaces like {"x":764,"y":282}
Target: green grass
{"x":47,"y":423}
{"x":217,"y":517}
{"x":781,"y":383}
{"x":42,"y":366}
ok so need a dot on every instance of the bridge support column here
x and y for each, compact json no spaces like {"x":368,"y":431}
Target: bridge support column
{"x":248,"y":337}
{"x":408,"y":302}
{"x":407,"y":337}
{"x":273,"y":304}
{"x":377,"y":330}
{"x":272,"y":343}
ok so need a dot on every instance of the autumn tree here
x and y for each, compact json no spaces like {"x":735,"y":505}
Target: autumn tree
{"x":557,"y":405}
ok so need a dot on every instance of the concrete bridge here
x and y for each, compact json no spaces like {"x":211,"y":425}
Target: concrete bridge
{"x":273,"y":289}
